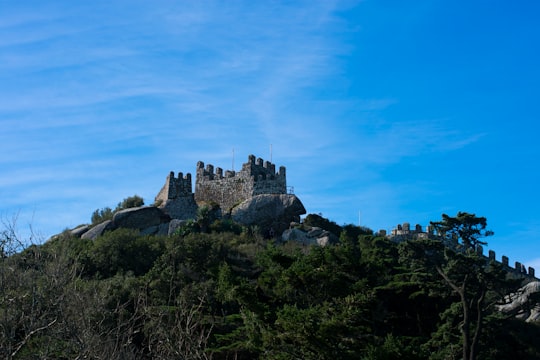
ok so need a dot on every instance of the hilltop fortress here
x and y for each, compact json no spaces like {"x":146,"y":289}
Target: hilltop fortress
{"x":226,"y":189}
{"x":257,"y":177}
{"x":256,"y":195}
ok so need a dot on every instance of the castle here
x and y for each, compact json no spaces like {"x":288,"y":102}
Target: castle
{"x":226,"y":189}
{"x":405,"y":232}
{"x":257,"y":177}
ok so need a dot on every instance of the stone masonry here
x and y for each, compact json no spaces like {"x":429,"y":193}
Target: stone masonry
{"x":175,"y":187}
{"x":227,"y":189}
{"x":405,"y":232}
{"x":176,"y":198}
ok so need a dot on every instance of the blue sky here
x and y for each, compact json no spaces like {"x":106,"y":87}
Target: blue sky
{"x":383,"y":112}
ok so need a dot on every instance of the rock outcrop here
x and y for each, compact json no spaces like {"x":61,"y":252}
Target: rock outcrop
{"x":140,"y":218}
{"x":271,"y":212}
{"x":520,"y":304}
{"x":98,"y":230}
{"x":174,"y":225}
{"x":80,"y":230}
{"x":254,"y":196}
{"x":149,"y":220}
{"x":313,"y":236}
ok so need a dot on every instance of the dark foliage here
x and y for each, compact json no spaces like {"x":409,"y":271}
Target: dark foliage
{"x":323,"y":223}
{"x":217,"y":292}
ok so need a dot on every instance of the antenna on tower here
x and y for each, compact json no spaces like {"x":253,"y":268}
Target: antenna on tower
{"x":232,"y":159}
{"x":270,"y":153}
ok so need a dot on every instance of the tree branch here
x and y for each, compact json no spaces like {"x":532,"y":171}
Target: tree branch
{"x":30,"y":334}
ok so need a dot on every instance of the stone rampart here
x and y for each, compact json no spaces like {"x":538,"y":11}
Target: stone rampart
{"x":228,"y":189}
{"x":175,"y":187}
{"x":404,"y":232}
{"x":176,"y":197}
{"x":518,"y":268}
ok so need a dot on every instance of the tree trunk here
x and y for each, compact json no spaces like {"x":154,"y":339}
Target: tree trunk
{"x":465,"y":328}
{"x":478,"y":331}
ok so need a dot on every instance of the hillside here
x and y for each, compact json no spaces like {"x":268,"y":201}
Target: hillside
{"x":220,"y":290}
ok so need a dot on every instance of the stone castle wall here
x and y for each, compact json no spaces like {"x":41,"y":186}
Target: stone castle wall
{"x":231,"y":188}
{"x":175,"y":187}
{"x":227,"y":188}
{"x":176,"y":197}
{"x":405,"y":232}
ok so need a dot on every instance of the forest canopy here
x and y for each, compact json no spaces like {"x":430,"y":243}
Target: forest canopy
{"x":225,"y":292}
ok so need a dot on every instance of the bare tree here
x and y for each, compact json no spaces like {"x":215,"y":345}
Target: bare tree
{"x":23,"y":315}
{"x":179,"y":330}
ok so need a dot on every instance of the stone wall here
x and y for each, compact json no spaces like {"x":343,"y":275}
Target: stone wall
{"x":176,"y":197}
{"x":518,"y":269}
{"x":180,"y":208}
{"x":175,"y":187}
{"x":405,"y":232}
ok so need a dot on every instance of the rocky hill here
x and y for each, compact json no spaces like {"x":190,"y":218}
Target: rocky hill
{"x":254,"y":196}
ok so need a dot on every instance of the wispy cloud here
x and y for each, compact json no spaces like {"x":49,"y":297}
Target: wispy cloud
{"x":100,"y":100}
{"x":175,"y":82}
{"x":390,"y":142}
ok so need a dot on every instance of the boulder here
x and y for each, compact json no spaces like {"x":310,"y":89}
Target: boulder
{"x":161,"y":229}
{"x":271,"y":212}
{"x":174,"y":225}
{"x":518,"y":303}
{"x":80,"y":230}
{"x":140,"y":218}
{"x":295,"y":235}
{"x":313,"y":236}
{"x":98,"y":230}
{"x":326,"y":238}
{"x":315,"y":232}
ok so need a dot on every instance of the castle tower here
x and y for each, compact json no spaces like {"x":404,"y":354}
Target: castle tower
{"x":176,"y":197}
{"x":225,"y":188}
{"x":175,"y":187}
{"x":256,"y":177}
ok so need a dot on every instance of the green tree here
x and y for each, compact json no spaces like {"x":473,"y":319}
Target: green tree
{"x":466,"y":227}
{"x":335,"y":329}
{"x":467,"y":274}
{"x":120,"y":251}
{"x":319,"y":221}
{"x":130,"y":202}
{"x":206,"y":215}
{"x":101,"y":215}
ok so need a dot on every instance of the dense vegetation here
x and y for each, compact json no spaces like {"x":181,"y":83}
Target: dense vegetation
{"x":223,"y":292}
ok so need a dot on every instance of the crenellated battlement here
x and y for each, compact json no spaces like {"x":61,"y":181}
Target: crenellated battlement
{"x":207,"y":173}
{"x":226,"y":188}
{"x":176,"y":197}
{"x":175,"y":187}
{"x":255,"y":168}
{"x":229,"y":188}
{"x":518,"y":268}
{"x":260,"y":169}
{"x":404,"y":232}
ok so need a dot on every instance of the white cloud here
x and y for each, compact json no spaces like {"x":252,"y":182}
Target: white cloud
{"x":89,"y":95}
{"x":382,"y":142}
